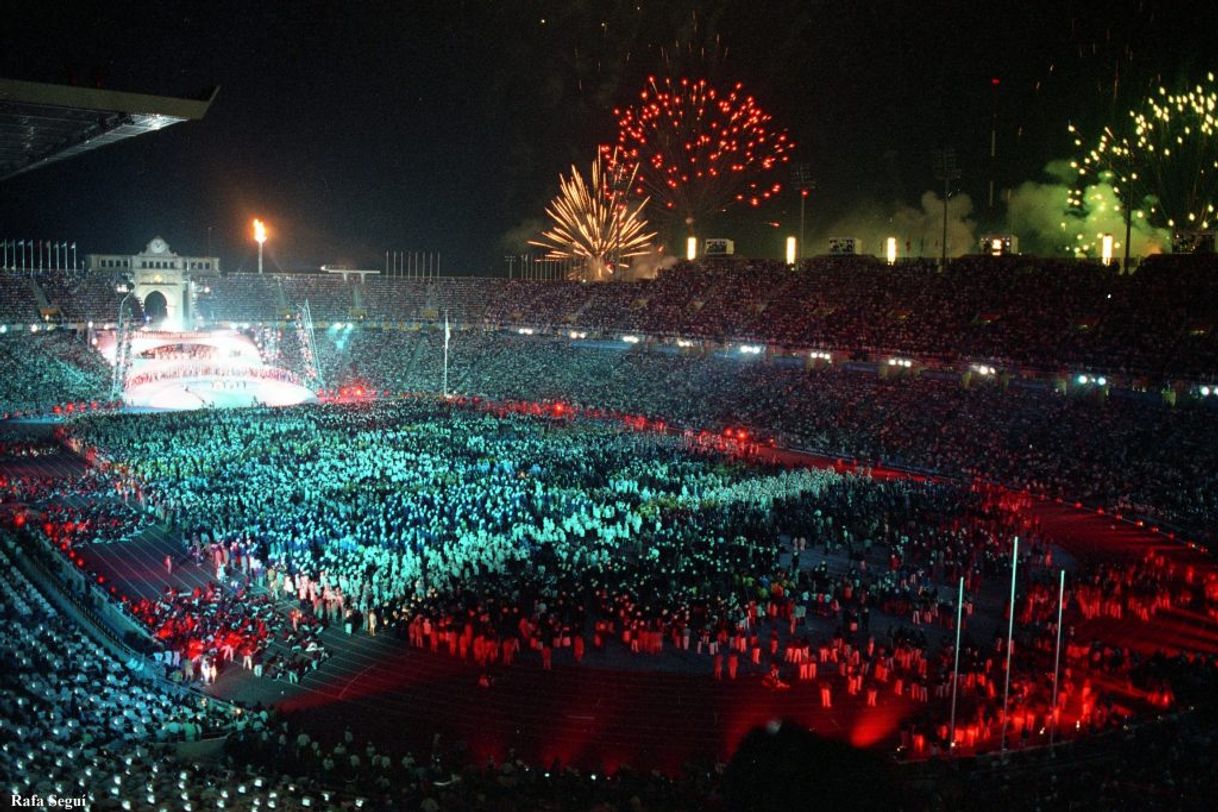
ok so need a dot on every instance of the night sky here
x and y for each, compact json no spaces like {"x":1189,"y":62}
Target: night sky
{"x":355,"y":128}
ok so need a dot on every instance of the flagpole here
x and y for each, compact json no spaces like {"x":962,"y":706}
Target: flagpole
{"x":951,"y":742}
{"x":447,"y":333}
{"x":1006,"y":690}
{"x":1057,"y":660}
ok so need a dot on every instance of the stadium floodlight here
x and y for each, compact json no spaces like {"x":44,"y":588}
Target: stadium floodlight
{"x":790,"y":250}
{"x":891,"y":250}
{"x":1102,"y":381}
{"x":751,"y":349}
{"x":1205,"y":391}
{"x":630,"y":339}
{"x":525,"y":331}
{"x":684,"y":342}
{"x":3,"y":329}
{"x":260,"y":238}
{"x":1106,"y":249}
{"x":1082,"y":379}
{"x":691,"y":249}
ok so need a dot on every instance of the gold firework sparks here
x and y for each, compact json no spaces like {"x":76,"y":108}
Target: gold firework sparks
{"x":1163,"y":164}
{"x":594,"y":222}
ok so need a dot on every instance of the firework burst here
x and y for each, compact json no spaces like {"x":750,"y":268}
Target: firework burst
{"x":1165,"y":160}
{"x":696,"y":150}
{"x":593,"y":222}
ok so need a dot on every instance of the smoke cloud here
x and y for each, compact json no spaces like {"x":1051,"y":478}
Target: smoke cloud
{"x":516,"y":239}
{"x":649,"y":265}
{"x":918,"y":229}
{"x":1040,"y":214}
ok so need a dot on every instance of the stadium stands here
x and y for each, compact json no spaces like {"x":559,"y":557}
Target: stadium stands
{"x":18,"y":304}
{"x":1015,"y":311}
{"x":473,"y":534}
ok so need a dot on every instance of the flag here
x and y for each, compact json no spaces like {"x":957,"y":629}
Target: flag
{"x":448,"y":333}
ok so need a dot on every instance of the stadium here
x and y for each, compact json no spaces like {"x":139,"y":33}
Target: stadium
{"x":612,"y":527}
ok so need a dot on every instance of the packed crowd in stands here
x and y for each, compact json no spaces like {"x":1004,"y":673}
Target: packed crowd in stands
{"x":17,"y":302}
{"x":80,"y":296}
{"x":472,"y":531}
{"x":1015,"y":311}
{"x":1159,"y":322}
{"x":46,"y":370}
{"x":1128,"y":453}
{"x":75,"y":715}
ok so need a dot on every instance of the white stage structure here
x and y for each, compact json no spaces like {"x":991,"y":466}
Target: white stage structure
{"x":192,"y":370}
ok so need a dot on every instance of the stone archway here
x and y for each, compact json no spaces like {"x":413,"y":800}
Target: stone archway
{"x":156,"y":307}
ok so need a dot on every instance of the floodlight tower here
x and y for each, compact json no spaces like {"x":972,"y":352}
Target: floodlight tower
{"x":122,"y":340}
{"x":946,"y":170}
{"x":801,"y":179}
{"x":260,"y":238}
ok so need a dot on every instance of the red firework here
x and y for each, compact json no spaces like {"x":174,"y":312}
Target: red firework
{"x":698,"y":150}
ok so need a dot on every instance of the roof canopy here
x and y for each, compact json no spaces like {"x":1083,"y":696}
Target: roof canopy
{"x":41,"y":123}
